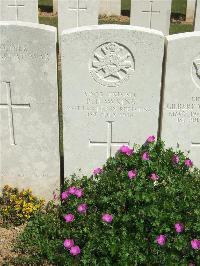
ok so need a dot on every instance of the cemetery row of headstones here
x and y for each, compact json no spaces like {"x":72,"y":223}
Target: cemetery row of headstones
{"x":114,"y":84}
{"x":153,"y":14}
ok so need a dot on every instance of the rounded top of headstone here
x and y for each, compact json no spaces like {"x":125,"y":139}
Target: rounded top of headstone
{"x":29,"y":25}
{"x":113,"y":27}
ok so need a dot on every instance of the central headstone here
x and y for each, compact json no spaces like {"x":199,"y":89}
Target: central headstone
{"x":29,"y":137}
{"x":153,"y":14}
{"x":111,"y":91}
{"x":19,"y":10}
{"x":76,"y":13}
{"x":181,"y":107}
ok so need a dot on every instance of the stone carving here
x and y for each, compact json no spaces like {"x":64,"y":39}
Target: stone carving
{"x":196,"y":72}
{"x":112,"y":64}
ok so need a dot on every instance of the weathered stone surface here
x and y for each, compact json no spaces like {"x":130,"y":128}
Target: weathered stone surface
{"x":153,"y":14}
{"x":76,"y":13}
{"x":181,"y":111}
{"x":29,"y":141}
{"x":111,"y":91}
{"x":190,"y":12}
{"x":55,"y":6}
{"x":110,"y":7}
{"x":197,"y":18}
{"x":19,"y":10}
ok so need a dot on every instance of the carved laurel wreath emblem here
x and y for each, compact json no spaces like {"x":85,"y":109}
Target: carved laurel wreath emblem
{"x":111,"y":64}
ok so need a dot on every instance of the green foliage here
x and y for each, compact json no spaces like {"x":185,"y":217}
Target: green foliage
{"x":17,"y":207}
{"x":141,"y":208}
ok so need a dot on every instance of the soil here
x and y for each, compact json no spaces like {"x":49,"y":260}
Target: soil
{"x":7,"y":239}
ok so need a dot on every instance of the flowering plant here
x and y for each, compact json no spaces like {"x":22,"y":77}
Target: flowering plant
{"x":17,"y":207}
{"x":141,"y":208}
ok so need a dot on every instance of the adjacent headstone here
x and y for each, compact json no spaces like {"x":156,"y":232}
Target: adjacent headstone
{"x":197,"y":17}
{"x":76,"y":13}
{"x":111,"y":91}
{"x":19,"y":10}
{"x":181,"y":111}
{"x":29,"y":139}
{"x":110,"y":7}
{"x":190,"y":12}
{"x":153,"y":14}
{"x":55,"y":6}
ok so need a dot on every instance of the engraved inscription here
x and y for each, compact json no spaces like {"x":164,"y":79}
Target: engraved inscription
{"x":185,"y":112}
{"x":151,"y":12}
{"x":109,"y":143}
{"x":10,"y":106}
{"x":21,"y":51}
{"x":109,"y":105}
{"x":112,"y":64}
{"x":195,"y":72}
{"x":80,"y":6}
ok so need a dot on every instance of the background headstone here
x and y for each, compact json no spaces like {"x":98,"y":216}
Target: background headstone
{"x":197,"y":17}
{"x":111,"y":91}
{"x":110,"y":7}
{"x":153,"y":14}
{"x":29,"y":138}
{"x":55,"y":6}
{"x":190,"y":11}
{"x":19,"y":10}
{"x":76,"y":13}
{"x":181,"y":111}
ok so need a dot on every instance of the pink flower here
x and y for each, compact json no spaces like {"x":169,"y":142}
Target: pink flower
{"x":154,"y":177}
{"x":97,"y":171}
{"x":188,"y":163}
{"x":69,"y":218}
{"x":191,"y":264}
{"x":132,"y":174}
{"x":72,"y":190}
{"x":175,"y":159}
{"x":150,"y":139}
{"x":107,"y":218}
{"x":75,"y":250}
{"x":126,"y":150}
{"x":179,"y":227}
{"x":82,"y":208}
{"x":65,"y":195}
{"x":145,"y":156}
{"x":68,"y":243}
{"x":161,"y":240}
{"x":79,"y":192}
{"x":195,"y":243}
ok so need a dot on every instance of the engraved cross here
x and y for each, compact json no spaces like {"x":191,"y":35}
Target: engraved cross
{"x":10,"y":106}
{"x":151,"y":12}
{"x":16,"y":6}
{"x":109,"y":143}
{"x":196,"y":144}
{"x":77,"y":9}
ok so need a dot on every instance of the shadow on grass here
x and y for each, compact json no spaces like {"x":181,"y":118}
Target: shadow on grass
{"x":46,"y":8}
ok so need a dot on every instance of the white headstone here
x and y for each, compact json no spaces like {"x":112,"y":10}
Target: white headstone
{"x":29,"y":141}
{"x":110,"y":7}
{"x":153,"y":14}
{"x":111,"y":91}
{"x":55,"y":6}
{"x":181,"y":111}
{"x":197,"y":18}
{"x":19,"y":10}
{"x":191,"y":4}
{"x":76,"y":13}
